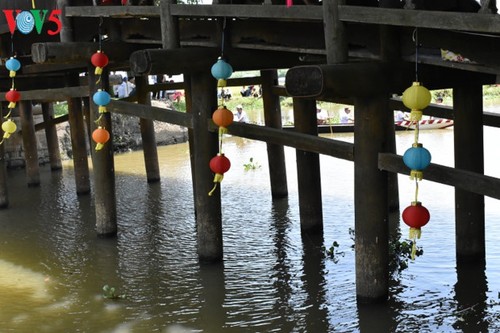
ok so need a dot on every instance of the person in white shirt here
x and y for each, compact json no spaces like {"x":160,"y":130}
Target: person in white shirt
{"x":240,"y":115}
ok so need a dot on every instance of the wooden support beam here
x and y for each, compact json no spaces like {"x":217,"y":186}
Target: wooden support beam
{"x":308,"y":169}
{"x":272,"y":118}
{"x":370,"y":78}
{"x":463,"y":179}
{"x":29,"y":143}
{"x":80,"y":52}
{"x":51,"y":136}
{"x":471,"y":22}
{"x":49,"y":95}
{"x":469,"y":155}
{"x":208,"y":207}
{"x":371,"y":200}
{"x":79,"y":145}
{"x":148,"y":133}
{"x":189,"y":60}
{"x":4,"y":193}
{"x":103,"y":167}
{"x":150,"y":112}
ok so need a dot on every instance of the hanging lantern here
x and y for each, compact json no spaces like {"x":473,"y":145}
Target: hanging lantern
{"x":219,"y":164}
{"x":101,"y":98}
{"x":13,"y":96}
{"x":13,"y":65}
{"x":100,"y":136}
{"x":222,"y":117}
{"x":417,"y":158}
{"x":416,"y":98}
{"x":99,"y":60}
{"x":415,"y":216}
{"x":8,"y":127}
{"x":221,"y":70}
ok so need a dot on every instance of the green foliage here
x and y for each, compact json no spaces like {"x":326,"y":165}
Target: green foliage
{"x":60,"y":109}
{"x":251,"y":165}
{"x":400,"y":254}
{"x":110,"y":293}
{"x":333,"y":253}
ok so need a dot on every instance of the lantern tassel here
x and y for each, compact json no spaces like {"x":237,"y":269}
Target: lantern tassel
{"x":99,"y":146}
{"x":11,"y":105}
{"x":217,"y":179}
{"x":98,"y":70}
{"x":8,"y":115}
{"x":12,"y":74}
{"x":416,"y":174}
{"x":221,"y":83}
{"x":102,"y":109}
{"x":415,"y":115}
{"x":222,"y":131}
{"x":415,"y":234}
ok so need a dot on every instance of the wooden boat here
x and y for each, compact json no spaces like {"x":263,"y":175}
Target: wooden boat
{"x":425,"y":124}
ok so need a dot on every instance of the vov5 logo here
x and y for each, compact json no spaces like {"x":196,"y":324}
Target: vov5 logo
{"x":27,"y":20}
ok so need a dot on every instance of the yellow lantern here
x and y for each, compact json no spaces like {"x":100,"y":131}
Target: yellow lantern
{"x":8,"y":127}
{"x":416,"y":98}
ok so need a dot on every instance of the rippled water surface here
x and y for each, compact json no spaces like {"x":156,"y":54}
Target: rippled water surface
{"x":53,"y":267}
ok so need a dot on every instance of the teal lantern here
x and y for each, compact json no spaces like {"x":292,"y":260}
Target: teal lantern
{"x":417,"y":158}
{"x":101,"y":98}
{"x":13,"y":65}
{"x":221,"y":70}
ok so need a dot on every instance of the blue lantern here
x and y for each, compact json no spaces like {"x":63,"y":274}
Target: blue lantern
{"x":221,"y":70}
{"x":101,"y":98}
{"x":13,"y":65}
{"x":417,"y":158}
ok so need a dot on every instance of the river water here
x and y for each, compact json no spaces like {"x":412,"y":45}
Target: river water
{"x":53,"y":267}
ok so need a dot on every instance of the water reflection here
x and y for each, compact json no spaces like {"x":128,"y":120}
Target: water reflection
{"x":272,"y":279}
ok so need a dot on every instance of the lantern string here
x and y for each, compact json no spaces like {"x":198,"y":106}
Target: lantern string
{"x":223,"y":36}
{"x":33,"y":3}
{"x":416,"y":189}
{"x":415,"y":38}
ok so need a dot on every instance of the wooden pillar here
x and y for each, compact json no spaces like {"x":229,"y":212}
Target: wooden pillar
{"x":103,"y":166}
{"x":308,"y":169}
{"x":208,"y":208}
{"x":79,"y":145}
{"x":86,"y":117}
{"x":390,"y":52}
{"x":4,"y":196}
{"x":147,"y":132}
{"x":29,"y":143}
{"x":469,"y":155}
{"x":51,"y":136}
{"x":272,"y":118}
{"x":370,"y":199}
{"x":335,"y":39}
{"x":169,"y":25}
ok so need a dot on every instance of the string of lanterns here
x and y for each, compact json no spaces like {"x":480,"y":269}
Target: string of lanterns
{"x":13,"y":96}
{"x":416,"y":158}
{"x":222,"y":117}
{"x":101,"y":97}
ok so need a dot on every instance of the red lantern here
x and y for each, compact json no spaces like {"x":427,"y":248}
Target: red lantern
{"x":219,"y":164}
{"x":12,"y":96}
{"x":415,"y":216}
{"x":99,"y":60}
{"x":100,"y":136}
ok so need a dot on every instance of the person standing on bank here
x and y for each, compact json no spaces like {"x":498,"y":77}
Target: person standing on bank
{"x":240,"y":115}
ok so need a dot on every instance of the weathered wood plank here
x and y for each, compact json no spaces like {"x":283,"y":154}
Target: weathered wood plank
{"x":80,"y":52}
{"x":472,"y":22}
{"x":60,"y":94}
{"x":150,"y":112}
{"x":466,"y":180}
{"x":113,"y":11}
{"x":189,"y":60}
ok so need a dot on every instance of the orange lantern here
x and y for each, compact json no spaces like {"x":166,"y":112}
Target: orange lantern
{"x":222,"y":117}
{"x":100,"y":136}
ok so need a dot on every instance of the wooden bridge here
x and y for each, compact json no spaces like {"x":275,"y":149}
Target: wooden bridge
{"x":360,"y":55}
